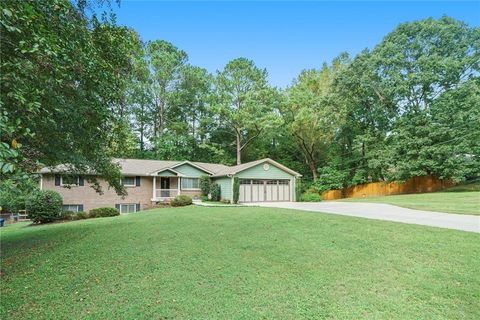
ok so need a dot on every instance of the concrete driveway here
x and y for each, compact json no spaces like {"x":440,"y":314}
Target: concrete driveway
{"x":387,"y":212}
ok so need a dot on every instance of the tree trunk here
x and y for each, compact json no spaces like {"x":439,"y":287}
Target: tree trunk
{"x":142,"y":130}
{"x":239,"y":148}
{"x":161,"y":120}
{"x":313,"y":168}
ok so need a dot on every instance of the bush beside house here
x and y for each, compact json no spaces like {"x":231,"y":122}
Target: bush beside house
{"x":44,"y":206}
{"x":215,"y":192}
{"x":181,"y":200}
{"x":205,"y":185}
{"x":103,"y":212}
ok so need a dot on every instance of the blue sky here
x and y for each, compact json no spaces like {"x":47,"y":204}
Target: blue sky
{"x":283,"y":37}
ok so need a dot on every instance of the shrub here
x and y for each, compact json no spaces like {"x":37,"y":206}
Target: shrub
{"x":205,"y":185}
{"x":215,"y":192}
{"x":81,"y":215}
{"x":204,"y":198}
{"x":226,"y":201}
{"x":44,"y":206}
{"x":311,"y":197}
{"x":104,"y":212}
{"x":299,"y":189}
{"x":236,"y":189}
{"x":67,"y":215}
{"x":15,"y":193}
{"x":181,"y":200}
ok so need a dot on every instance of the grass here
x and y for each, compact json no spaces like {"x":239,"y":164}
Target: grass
{"x":238,"y":263}
{"x":462,"y":199}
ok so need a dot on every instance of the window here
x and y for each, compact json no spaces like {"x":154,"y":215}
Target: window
{"x":69,"y":180}
{"x":190,"y":183}
{"x":127,"y":208}
{"x":128,"y":181}
{"x":73,"y":207}
{"x":243,"y":181}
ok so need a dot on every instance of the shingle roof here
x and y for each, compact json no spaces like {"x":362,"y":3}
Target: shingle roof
{"x":140,"y":167}
{"x":144,"y":167}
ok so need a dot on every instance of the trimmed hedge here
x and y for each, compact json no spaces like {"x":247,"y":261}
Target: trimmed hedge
{"x":311,"y":197}
{"x":181,"y":200}
{"x":104,"y":212}
{"x":44,"y":206}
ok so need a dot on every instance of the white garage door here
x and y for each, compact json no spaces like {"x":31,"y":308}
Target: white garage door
{"x":255,"y":190}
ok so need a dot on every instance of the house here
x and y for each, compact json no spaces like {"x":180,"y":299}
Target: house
{"x":149,"y":182}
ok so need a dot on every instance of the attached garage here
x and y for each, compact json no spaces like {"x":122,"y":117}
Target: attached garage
{"x":260,"y":181}
{"x":256,"y":190}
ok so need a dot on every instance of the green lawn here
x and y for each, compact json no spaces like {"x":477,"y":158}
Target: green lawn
{"x":238,"y":263}
{"x":452,"y":202}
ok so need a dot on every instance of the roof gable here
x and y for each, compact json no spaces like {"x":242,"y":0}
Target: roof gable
{"x":244,"y":166}
{"x":190,"y":169}
{"x":167,"y":172}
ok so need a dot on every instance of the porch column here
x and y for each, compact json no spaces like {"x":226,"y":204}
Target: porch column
{"x":154,"y":196}
{"x":178,"y":185}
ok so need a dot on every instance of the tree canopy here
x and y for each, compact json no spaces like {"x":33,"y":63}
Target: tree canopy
{"x":77,"y":88}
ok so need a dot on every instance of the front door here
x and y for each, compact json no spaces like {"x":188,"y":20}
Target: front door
{"x":165,"y":186}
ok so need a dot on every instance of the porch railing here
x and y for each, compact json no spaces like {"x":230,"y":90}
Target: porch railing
{"x":166,"y":193}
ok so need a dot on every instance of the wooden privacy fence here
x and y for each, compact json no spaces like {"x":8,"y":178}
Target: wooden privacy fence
{"x":412,"y":185}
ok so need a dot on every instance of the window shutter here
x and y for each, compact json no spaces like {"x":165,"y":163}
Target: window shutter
{"x":80,"y":207}
{"x":137,"y":181}
{"x":117,"y":206}
{"x":57,"y":180}
{"x":81,"y":181}
{"x":137,"y":207}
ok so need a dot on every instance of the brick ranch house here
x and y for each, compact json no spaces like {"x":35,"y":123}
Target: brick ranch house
{"x":149,"y":182}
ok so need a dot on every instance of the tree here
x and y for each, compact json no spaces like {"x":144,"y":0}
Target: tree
{"x":369,"y":116}
{"x":311,"y":115}
{"x":244,"y":101}
{"x":165,"y":61}
{"x":189,"y":115}
{"x":432,"y":66}
{"x":61,"y":73}
{"x":141,"y":100}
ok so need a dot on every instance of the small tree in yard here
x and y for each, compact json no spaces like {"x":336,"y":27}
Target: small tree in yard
{"x":205,"y":185}
{"x":44,"y":206}
{"x":236,"y":189}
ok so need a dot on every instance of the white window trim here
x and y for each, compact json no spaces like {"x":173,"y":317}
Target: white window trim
{"x":129,"y":185}
{"x":190,"y":189}
{"x":69,"y":185}
{"x":73,"y":205}
{"x":128,"y":204}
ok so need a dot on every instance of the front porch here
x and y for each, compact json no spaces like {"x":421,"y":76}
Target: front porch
{"x":165,"y":188}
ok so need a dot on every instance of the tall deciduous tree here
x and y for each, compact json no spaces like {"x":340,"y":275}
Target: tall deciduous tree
{"x":426,"y":63}
{"x":61,"y":73}
{"x":165,"y":61}
{"x":245,"y":102}
{"x":312,"y":115}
